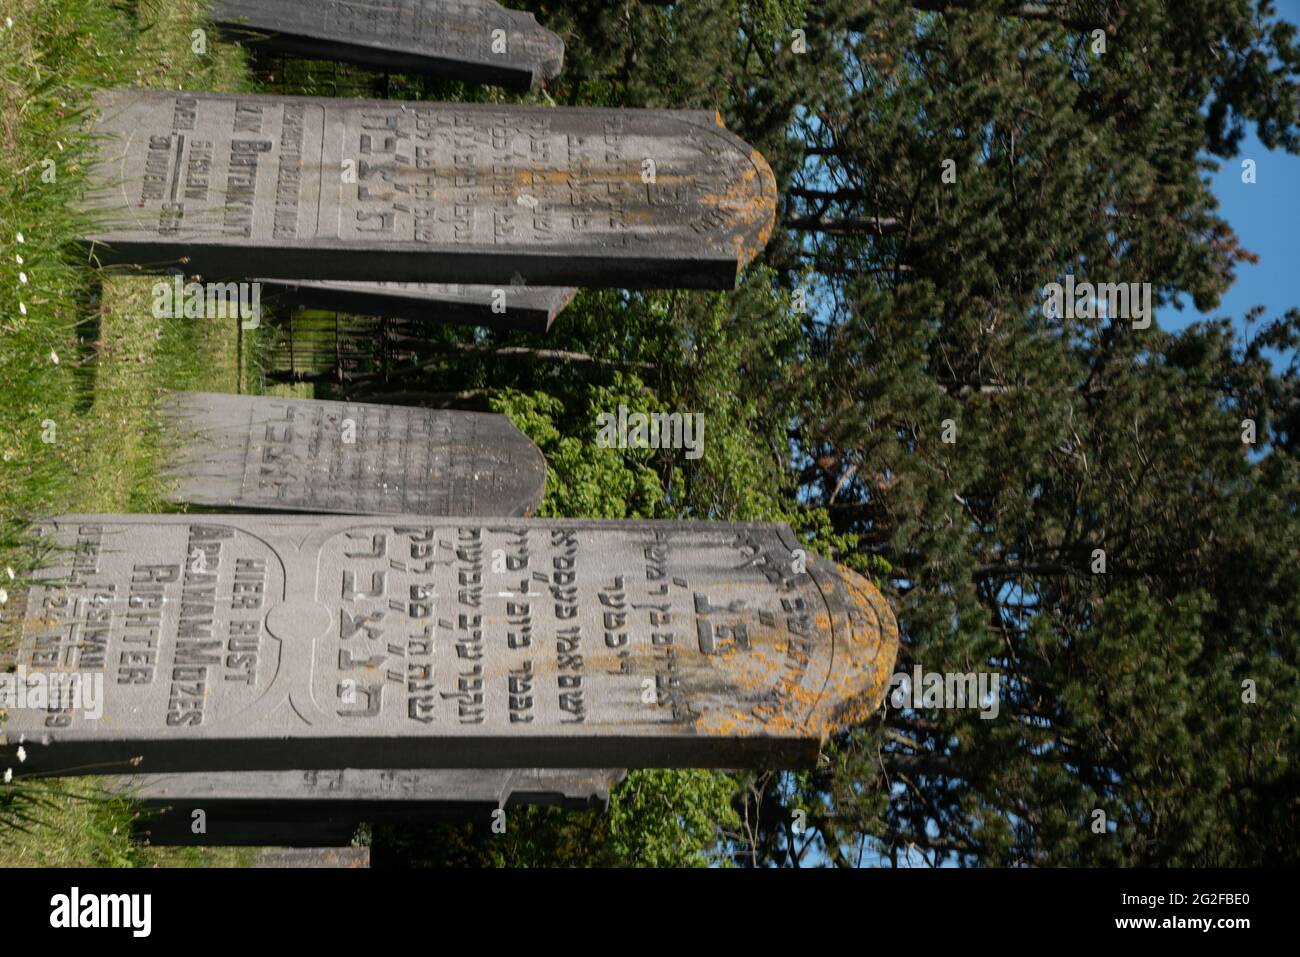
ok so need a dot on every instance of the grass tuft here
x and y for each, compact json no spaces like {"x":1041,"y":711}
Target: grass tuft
{"x":83,"y":361}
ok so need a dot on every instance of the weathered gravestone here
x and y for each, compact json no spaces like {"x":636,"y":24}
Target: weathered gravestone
{"x":234,"y":642}
{"x":478,"y":41}
{"x":531,"y":308}
{"x":321,"y":808}
{"x":314,"y":188}
{"x":281,"y":454}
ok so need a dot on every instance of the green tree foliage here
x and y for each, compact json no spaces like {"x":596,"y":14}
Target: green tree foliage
{"x":657,"y":819}
{"x":940,"y":163}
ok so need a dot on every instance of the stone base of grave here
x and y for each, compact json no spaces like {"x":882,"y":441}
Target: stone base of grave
{"x":325,"y":808}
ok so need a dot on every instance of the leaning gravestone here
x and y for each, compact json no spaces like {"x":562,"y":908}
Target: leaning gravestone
{"x":314,"y":188}
{"x":477,"y":41}
{"x":309,"y":455}
{"x":530,"y":308}
{"x":321,"y":808}
{"x":236,"y":642}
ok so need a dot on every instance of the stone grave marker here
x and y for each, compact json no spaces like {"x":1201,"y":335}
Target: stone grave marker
{"x":322,"y":808}
{"x":477,"y":41}
{"x":530,"y":308}
{"x":303,"y":188}
{"x":276,"y":642}
{"x":310,"y":455}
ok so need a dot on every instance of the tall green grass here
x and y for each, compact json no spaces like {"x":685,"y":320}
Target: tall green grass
{"x":82,"y":359}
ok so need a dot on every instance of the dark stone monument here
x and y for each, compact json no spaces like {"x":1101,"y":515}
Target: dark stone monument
{"x":233,"y":186}
{"x":323,"y":808}
{"x":307,"y":455}
{"x":478,"y":41}
{"x":275,"y":642}
{"x":530,"y":308}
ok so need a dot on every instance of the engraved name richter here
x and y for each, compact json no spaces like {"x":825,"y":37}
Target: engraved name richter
{"x":641,"y":643}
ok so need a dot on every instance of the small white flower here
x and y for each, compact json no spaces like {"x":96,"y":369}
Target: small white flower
{"x":9,"y":22}
{"x":20,"y":259}
{"x":54,"y":357}
{"x":22,"y":754}
{"x":20,"y":238}
{"x":22,"y":278}
{"x":9,"y":775}
{"x":22,"y":308}
{"x":4,"y":597}
{"x":10,"y":572}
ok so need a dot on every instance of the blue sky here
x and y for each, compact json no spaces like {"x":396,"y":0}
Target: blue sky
{"x":1266,"y":217}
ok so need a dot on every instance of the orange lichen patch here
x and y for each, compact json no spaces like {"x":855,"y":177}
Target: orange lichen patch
{"x":757,"y":208}
{"x":808,"y":685}
{"x":750,"y":204}
{"x":871,"y":652}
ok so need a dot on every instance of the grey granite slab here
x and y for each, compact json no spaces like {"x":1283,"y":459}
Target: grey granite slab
{"x":530,"y":308}
{"x":303,"y":188}
{"x":477,"y":41}
{"x":320,"y":808}
{"x":304,"y":642}
{"x":312,"y":455}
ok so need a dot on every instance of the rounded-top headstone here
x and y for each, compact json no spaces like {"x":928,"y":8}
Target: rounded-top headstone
{"x":304,"y":188}
{"x":273,"y":453}
{"x":277,"y":642}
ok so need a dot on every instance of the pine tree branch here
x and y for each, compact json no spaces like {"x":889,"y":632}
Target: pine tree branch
{"x":875,"y":225}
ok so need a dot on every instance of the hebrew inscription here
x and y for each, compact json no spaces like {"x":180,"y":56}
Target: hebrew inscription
{"x":282,"y":454}
{"x":278,"y":642}
{"x":478,"y":41}
{"x":335,"y":189}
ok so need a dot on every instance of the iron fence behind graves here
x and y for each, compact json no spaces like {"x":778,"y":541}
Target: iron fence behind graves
{"x":328,"y":348}
{"x":295,"y":76}
{"x":287,"y":75}
{"x":351,"y":356}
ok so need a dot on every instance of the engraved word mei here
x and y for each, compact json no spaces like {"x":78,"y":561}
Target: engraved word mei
{"x":208,"y":300}
{"x":103,"y":910}
{"x":658,"y":430}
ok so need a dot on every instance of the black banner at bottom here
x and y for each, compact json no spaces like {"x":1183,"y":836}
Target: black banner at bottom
{"x":339,"y":897}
